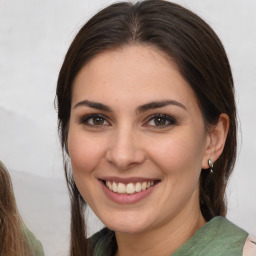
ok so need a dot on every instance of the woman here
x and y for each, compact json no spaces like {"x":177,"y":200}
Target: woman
{"x":147,"y":118}
{"x":15,"y":238}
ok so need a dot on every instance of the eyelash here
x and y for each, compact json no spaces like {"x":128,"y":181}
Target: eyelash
{"x":164,"y":117}
{"x":85,"y":120}
{"x":161,"y":117}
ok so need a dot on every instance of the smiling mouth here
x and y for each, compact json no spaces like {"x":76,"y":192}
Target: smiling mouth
{"x":130,"y":188}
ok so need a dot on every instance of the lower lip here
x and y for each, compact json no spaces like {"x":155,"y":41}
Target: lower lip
{"x":127,"y":198}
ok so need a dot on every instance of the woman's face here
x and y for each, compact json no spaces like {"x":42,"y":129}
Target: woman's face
{"x":136,"y":140}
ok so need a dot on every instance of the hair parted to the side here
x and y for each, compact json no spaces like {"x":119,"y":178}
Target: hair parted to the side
{"x":13,"y":241}
{"x":202,"y":61}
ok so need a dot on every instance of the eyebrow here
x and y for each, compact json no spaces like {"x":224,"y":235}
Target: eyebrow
{"x":93,"y":104}
{"x":140,"y":109}
{"x":159,"y":104}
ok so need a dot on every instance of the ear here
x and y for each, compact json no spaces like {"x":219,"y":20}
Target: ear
{"x":215,"y":140}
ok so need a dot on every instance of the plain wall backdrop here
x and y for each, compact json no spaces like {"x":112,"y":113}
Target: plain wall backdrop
{"x":34,"y":37}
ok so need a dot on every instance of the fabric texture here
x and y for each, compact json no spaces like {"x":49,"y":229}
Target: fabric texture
{"x":35,"y":245}
{"x":218,"y":237}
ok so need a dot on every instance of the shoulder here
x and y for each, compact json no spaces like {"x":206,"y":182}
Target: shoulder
{"x":228,"y":238}
{"x":250,"y":246}
{"x":222,"y":228}
{"x":36,"y":246}
{"x":219,"y":236}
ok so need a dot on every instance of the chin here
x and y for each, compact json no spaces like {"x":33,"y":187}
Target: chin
{"x":127,"y":225}
{"x":128,"y":229}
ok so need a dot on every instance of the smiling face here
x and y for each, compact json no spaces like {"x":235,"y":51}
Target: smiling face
{"x":136,"y":140}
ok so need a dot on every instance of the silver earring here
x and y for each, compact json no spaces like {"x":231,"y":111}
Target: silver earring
{"x":210,"y":163}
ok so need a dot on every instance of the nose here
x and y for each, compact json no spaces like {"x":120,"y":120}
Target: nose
{"x":125,"y":150}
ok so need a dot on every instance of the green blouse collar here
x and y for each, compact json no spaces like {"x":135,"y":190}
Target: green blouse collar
{"x":218,"y":237}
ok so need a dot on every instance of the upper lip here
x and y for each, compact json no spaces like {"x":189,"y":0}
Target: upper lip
{"x":127,"y":180}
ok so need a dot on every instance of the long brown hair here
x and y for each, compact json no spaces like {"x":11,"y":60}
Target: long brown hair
{"x":13,"y":241}
{"x":202,"y":61}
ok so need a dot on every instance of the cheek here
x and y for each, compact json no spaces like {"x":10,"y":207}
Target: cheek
{"x":177,"y":153}
{"x":85,"y":152}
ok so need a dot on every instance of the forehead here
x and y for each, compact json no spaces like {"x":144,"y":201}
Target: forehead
{"x":131,"y":72}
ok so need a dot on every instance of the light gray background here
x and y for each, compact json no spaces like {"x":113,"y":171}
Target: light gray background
{"x":34,"y":37}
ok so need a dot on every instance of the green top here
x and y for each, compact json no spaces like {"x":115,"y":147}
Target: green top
{"x":218,"y":237}
{"x":35,"y":245}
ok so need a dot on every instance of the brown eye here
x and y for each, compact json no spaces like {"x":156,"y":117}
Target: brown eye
{"x":98,"y":121}
{"x":94,"y":120}
{"x":159,"y":121}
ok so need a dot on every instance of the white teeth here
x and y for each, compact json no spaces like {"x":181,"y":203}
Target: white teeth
{"x":138,"y":187}
{"x":109,"y":185}
{"x":114,"y":187}
{"x":121,"y":188}
{"x":144,"y":185}
{"x":129,"y":188}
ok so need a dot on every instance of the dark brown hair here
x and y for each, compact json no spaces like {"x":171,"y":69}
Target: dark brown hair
{"x":202,"y":61}
{"x":13,"y":241}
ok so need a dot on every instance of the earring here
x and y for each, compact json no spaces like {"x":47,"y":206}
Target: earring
{"x":210,"y":163}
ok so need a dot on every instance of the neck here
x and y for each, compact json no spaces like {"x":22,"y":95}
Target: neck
{"x":162,"y":240}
